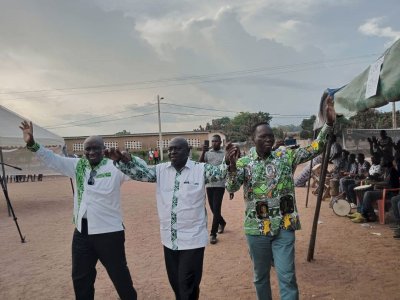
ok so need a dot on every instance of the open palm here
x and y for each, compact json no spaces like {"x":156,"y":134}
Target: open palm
{"x":27,"y":131}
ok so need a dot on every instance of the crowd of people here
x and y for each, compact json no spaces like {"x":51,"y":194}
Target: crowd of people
{"x":354,"y":173}
{"x":182,"y":185}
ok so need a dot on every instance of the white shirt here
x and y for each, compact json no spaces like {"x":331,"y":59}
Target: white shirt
{"x":101,"y":201}
{"x":181,"y":197}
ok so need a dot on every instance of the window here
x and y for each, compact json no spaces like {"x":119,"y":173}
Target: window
{"x":135,"y":145}
{"x":194,"y":143}
{"x":111,"y":144}
{"x":165,"y":144}
{"x":77,"y":147}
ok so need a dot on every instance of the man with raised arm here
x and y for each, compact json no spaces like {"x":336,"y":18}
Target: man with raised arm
{"x":271,"y":216}
{"x":99,"y":232}
{"x":181,"y":209}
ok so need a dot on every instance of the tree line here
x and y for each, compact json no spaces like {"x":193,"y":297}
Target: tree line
{"x":239,"y":127}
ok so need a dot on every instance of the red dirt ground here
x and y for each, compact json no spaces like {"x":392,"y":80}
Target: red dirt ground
{"x":351,"y":261}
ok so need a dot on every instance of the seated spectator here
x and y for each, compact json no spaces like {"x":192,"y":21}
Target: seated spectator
{"x":391,"y":180}
{"x":302,"y":178}
{"x":349,"y":174}
{"x":335,"y":157}
{"x":374,"y":175}
{"x":344,"y":165}
{"x":375,"y":171}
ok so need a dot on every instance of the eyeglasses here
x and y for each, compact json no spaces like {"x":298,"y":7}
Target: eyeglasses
{"x":92,"y":175}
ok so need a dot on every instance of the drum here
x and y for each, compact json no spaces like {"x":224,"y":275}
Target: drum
{"x":360,"y":190}
{"x":334,"y":187}
{"x":341,"y":207}
{"x":362,"y":187}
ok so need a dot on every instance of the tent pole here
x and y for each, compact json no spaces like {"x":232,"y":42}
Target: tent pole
{"x":5,"y":191}
{"x":321,"y":187}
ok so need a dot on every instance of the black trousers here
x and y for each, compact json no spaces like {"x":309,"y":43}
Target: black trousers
{"x":215,"y":196}
{"x":110,"y":250}
{"x":184,"y":268}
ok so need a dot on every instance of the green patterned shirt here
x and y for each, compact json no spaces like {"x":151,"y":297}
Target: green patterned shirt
{"x":270,"y":203}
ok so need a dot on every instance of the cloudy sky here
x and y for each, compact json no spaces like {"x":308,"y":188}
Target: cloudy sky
{"x":81,"y":67}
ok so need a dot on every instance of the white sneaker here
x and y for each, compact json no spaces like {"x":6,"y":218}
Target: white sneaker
{"x":352,"y":205}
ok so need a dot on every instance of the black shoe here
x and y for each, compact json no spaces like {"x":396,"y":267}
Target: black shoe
{"x":396,"y":236}
{"x":213,"y":239}
{"x":221,"y":228}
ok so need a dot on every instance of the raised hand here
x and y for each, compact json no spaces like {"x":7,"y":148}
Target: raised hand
{"x":116,"y":155}
{"x":232,"y":155}
{"x":27,"y":131}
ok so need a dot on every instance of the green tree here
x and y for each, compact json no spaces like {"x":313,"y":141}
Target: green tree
{"x":307,"y":126}
{"x":242,"y":123}
{"x":123,"y":132}
{"x":221,"y":124}
{"x":278,"y":133}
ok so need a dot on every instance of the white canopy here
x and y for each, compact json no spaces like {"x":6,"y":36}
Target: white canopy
{"x":12,"y":145}
{"x":11,"y":135}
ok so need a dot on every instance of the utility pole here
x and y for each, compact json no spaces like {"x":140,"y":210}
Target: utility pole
{"x":394,"y":120}
{"x":160,"y":142}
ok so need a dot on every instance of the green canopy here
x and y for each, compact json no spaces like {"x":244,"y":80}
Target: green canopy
{"x":352,"y":98}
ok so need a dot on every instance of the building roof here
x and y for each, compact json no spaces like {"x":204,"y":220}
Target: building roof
{"x":144,"y":134}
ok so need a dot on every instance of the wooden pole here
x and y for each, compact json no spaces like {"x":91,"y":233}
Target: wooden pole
{"x":309,"y":177}
{"x":324,"y":168}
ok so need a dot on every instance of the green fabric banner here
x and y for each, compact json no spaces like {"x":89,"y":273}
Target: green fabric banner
{"x":352,"y":98}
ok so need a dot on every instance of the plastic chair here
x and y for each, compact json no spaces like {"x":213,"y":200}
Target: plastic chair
{"x":381,"y":204}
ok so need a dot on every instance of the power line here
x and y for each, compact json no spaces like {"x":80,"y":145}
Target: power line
{"x":241,"y":73}
{"x":92,"y":118}
{"x":103,"y":121}
{"x":213,"y":109}
{"x":85,"y":121}
{"x":176,"y":84}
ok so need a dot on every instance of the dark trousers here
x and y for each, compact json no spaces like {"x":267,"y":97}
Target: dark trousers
{"x":215,"y":196}
{"x":184,"y":268}
{"x":110,"y":250}
{"x":367,"y":210}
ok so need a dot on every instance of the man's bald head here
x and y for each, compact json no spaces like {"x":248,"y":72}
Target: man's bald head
{"x":178,"y":152}
{"x":94,"y":149}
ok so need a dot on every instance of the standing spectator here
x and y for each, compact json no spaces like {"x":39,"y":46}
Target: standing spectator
{"x":267,"y":178}
{"x":99,"y":232}
{"x":385,"y":144}
{"x":150,"y":156}
{"x":156,"y":156}
{"x":215,"y":190}
{"x":397,"y":156}
{"x":181,"y":209}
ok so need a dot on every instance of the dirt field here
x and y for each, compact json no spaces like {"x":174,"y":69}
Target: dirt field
{"x":351,"y":261}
